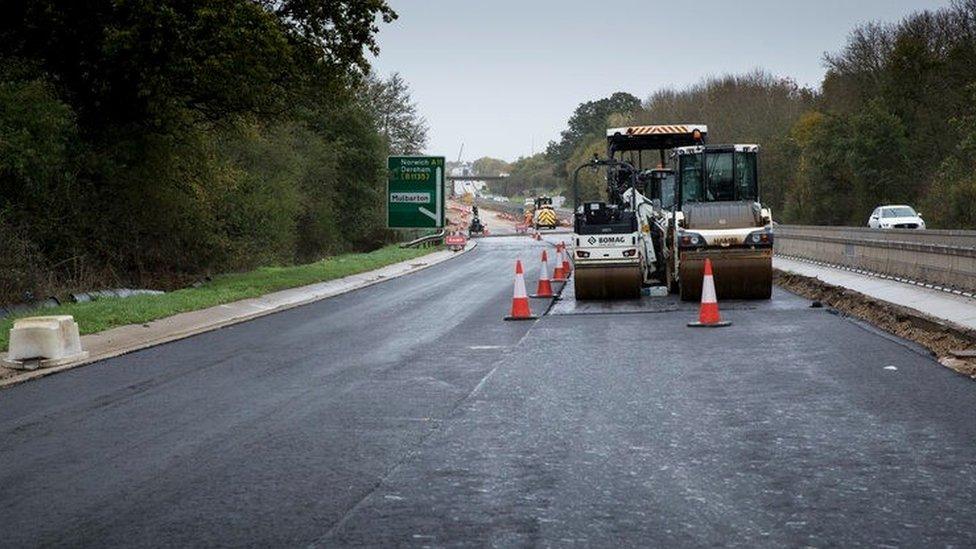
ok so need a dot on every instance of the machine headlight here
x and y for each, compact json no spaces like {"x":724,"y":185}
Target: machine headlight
{"x":583,"y":254}
{"x":687,"y":240}
{"x":760,"y":238}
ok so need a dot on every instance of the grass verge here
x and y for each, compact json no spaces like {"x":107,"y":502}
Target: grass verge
{"x":106,"y":313}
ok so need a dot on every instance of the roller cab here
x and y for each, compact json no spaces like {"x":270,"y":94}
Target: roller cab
{"x":722,"y":219}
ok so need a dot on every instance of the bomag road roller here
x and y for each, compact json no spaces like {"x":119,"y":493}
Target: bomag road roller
{"x":624,"y":243}
{"x":720,"y":217}
{"x":544,"y":215}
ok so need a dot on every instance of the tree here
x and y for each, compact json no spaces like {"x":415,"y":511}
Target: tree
{"x":951,"y":203}
{"x":337,"y":31}
{"x":389,"y":103}
{"x":147,"y":143}
{"x":588,"y":120}
{"x":821,"y":192}
{"x":877,"y":156}
{"x":754,"y":107}
{"x":490,"y":166}
{"x":903,"y":88}
{"x":155,"y":66}
{"x":528,"y":176}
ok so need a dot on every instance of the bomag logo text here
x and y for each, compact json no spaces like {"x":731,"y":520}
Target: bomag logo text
{"x":611,"y":240}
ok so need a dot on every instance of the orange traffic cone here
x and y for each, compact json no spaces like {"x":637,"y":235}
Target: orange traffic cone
{"x":708,"y":315}
{"x":558,"y":274}
{"x":544,"y":287}
{"x":520,"y":301}
{"x":567,"y":268}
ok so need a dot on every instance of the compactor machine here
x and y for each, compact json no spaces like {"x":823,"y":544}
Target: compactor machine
{"x":659,"y":223}
{"x":625,"y":242}
{"x":719,"y":216}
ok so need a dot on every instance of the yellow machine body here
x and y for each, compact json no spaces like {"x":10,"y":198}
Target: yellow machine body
{"x":545,"y":217}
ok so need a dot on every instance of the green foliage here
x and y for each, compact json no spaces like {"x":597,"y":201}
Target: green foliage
{"x":38,"y":130}
{"x":156,"y":65}
{"x":848,"y":164}
{"x":389,"y":103}
{"x":149,"y":143}
{"x":592,"y":183}
{"x":106,"y":313}
{"x":951,"y":202}
{"x":337,"y":31}
{"x":878,"y":160}
{"x":588,"y":120}
{"x":906,"y":91}
{"x":750,"y":108}
{"x":821,"y":190}
{"x":38,"y":147}
{"x":490,"y":166}
{"x":528,"y":176}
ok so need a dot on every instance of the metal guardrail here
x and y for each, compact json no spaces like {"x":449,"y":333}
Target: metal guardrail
{"x":941,"y":258}
{"x":431,"y":239}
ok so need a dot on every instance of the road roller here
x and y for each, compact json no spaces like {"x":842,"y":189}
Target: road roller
{"x":719,"y":216}
{"x":608,"y":264}
{"x":621,"y":244}
{"x":543,"y":214}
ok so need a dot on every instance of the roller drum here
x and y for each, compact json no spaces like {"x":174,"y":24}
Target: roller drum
{"x":607,"y":282}
{"x":736,"y":275}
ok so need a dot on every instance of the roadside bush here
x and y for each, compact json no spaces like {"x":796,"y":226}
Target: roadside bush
{"x":150,"y":144}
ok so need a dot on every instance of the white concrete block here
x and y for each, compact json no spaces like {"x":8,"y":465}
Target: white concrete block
{"x":44,"y":341}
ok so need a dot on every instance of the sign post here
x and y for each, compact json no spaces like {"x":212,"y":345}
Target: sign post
{"x":415,"y":192}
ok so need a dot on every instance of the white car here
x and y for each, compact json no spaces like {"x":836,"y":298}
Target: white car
{"x":896,"y":217}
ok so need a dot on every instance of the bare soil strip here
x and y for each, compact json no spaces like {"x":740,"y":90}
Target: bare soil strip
{"x":938,"y":336}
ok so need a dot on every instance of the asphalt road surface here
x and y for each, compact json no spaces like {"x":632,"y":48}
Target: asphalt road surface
{"x":408,"y":413}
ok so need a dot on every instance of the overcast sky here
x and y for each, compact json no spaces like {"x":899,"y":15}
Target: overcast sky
{"x":503,"y":76}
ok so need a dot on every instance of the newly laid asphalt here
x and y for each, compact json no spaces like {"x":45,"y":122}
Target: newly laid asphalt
{"x":408,"y":413}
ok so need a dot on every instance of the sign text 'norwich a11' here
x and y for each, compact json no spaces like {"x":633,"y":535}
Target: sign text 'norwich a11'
{"x":415,"y":192}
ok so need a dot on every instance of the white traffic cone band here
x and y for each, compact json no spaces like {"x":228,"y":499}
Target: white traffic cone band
{"x":520,"y":286}
{"x":708,"y":290}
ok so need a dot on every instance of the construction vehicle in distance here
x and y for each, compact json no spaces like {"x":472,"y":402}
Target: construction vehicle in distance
{"x":543,"y":214}
{"x":476,"y":228}
{"x":658,"y":224}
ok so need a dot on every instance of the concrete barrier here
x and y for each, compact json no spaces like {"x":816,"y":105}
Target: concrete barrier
{"x":939,"y":258}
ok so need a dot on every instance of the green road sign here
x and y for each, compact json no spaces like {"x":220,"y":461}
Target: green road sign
{"x":415,"y":192}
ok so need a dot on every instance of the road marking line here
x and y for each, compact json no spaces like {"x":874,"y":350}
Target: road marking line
{"x":482,"y":383}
